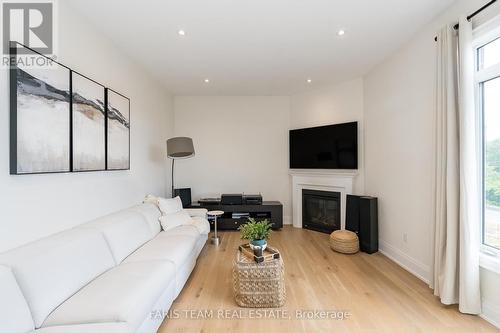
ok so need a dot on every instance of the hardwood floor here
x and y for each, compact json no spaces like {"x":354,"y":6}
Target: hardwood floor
{"x":378,"y":295}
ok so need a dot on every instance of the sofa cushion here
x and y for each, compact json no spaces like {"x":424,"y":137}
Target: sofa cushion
{"x":15,"y":315}
{"x":184,"y":230}
{"x":125,"y":231}
{"x":52,"y":269}
{"x":152,"y":214}
{"x":174,"y":248}
{"x":126,"y":293}
{"x":158,"y":314}
{"x":89,"y":328}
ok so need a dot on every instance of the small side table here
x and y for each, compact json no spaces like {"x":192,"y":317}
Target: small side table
{"x":215,"y":214}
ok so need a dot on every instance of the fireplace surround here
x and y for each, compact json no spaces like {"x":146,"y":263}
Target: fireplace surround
{"x":321,"y":180}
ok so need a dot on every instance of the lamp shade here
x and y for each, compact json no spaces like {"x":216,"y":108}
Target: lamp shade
{"x":180,"y":147}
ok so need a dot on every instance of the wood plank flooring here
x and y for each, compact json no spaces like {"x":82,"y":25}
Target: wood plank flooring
{"x":378,"y":295}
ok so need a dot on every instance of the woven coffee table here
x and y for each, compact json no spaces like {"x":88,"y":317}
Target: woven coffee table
{"x":259,"y":285}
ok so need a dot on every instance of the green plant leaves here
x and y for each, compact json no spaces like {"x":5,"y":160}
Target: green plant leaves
{"x":253,"y":230}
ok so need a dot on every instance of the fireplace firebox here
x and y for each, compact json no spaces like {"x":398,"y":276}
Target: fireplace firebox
{"x":320,"y":210}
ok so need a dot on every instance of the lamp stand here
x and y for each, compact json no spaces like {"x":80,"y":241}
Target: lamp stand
{"x":173,"y":160}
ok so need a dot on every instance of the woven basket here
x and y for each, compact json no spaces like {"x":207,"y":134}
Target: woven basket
{"x":258,"y":285}
{"x":344,"y":241}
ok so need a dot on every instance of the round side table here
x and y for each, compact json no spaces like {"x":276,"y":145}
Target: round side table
{"x":215,"y":214}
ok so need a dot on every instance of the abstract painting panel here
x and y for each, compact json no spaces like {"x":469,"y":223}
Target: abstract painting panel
{"x":40,"y":118}
{"x":118,"y":124}
{"x":89,"y":130}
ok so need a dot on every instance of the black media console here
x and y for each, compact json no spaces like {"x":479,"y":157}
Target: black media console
{"x":271,"y":210}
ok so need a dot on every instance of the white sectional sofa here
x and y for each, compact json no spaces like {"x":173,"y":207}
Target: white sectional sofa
{"x":118,"y":273}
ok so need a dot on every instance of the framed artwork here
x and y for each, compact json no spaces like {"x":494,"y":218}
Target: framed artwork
{"x":40,"y":117}
{"x":118,"y":131}
{"x":63,"y":121}
{"x":88,"y":124}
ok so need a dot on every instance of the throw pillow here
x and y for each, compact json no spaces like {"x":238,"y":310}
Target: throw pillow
{"x":169,"y":206}
{"x":172,"y":220}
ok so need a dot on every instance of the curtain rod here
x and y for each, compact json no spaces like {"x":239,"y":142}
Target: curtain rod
{"x":471,"y":16}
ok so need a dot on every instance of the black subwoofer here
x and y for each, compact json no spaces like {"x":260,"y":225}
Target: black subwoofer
{"x":362,"y":218}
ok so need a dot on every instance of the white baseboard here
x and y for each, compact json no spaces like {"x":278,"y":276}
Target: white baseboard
{"x":413,"y":266}
{"x":287,"y":220}
{"x":491,"y":312}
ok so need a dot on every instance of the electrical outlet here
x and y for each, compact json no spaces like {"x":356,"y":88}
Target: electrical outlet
{"x":405,"y":237}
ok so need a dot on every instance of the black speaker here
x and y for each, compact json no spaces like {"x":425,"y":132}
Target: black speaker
{"x":362,"y":218}
{"x":185,"y":195}
{"x":352,"y":213}
{"x":368,"y":224}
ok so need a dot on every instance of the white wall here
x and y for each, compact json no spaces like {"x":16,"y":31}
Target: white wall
{"x":241,"y":145}
{"x":399,"y":149}
{"x":335,"y":104}
{"x":38,"y":205}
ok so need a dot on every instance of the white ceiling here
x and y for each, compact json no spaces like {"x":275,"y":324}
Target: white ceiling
{"x":257,"y":47}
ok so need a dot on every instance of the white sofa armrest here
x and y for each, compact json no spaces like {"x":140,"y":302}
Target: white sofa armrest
{"x":197,"y":212}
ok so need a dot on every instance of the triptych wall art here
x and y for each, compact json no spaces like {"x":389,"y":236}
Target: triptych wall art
{"x":63,"y":121}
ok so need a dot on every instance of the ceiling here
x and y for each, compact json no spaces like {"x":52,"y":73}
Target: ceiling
{"x":257,"y":47}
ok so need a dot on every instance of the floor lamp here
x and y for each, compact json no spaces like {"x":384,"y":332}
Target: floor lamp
{"x":178,"y":148}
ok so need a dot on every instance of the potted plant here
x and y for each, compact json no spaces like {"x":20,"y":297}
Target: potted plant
{"x":256,"y":232}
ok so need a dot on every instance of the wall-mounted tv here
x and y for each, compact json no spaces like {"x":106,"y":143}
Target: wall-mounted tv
{"x":325,"y":147}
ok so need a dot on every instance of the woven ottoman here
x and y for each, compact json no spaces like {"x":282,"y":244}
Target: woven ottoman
{"x":258,"y":285}
{"x":344,"y":241}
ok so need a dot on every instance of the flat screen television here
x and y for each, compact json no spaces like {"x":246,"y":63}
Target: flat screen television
{"x":325,"y":147}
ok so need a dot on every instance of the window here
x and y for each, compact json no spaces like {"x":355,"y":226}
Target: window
{"x":488,"y":105}
{"x":488,"y":54}
{"x":491,"y":165}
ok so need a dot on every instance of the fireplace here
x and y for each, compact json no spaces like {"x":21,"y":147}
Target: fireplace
{"x":321,"y":210}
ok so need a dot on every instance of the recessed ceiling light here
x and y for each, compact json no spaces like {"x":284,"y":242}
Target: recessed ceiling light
{"x":309,"y":81}
{"x":181,"y":33}
{"x":206,"y":81}
{"x":341,"y":32}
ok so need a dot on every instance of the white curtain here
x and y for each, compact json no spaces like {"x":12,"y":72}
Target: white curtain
{"x":457,"y":207}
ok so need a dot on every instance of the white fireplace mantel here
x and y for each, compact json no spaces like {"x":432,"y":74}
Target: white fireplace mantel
{"x":322,"y":180}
